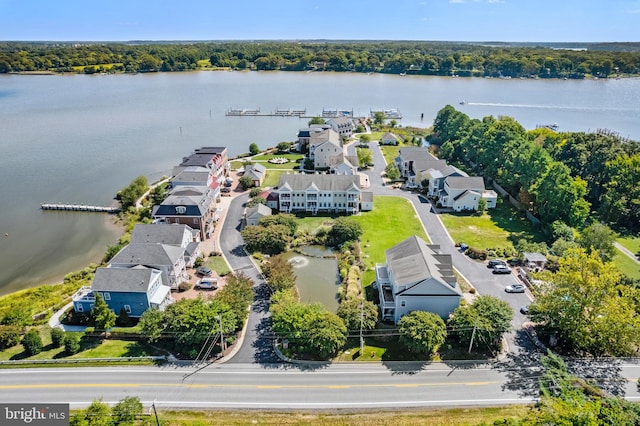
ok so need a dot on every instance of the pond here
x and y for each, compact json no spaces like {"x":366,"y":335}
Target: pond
{"x":317,"y":277}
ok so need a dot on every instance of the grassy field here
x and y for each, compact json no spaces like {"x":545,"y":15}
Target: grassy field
{"x":626,"y":265}
{"x":266,"y":157}
{"x":218,"y":264}
{"x":498,"y":228}
{"x":630,"y":242}
{"x":273,"y":176}
{"x":311,"y":224}
{"x":391,"y":221}
{"x":38,"y":299}
{"x":390,"y":152}
{"x":404,"y":417}
{"x":90,"y":348}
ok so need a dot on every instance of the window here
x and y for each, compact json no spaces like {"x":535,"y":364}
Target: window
{"x":107,"y":296}
{"x":195,"y":220}
{"x":403,"y":304}
{"x":127,"y":309}
{"x":79,"y":307}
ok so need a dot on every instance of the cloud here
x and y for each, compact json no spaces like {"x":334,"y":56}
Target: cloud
{"x":456,"y":1}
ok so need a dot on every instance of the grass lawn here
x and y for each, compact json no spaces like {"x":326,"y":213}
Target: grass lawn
{"x":630,"y":242}
{"x":626,"y":265}
{"x":391,"y":221}
{"x":404,"y":417}
{"x":497,"y":228}
{"x":311,"y":224}
{"x":272,"y":178}
{"x":266,"y":157}
{"x":38,"y":299}
{"x":286,"y":166}
{"x":390,"y":152}
{"x":218,"y":264}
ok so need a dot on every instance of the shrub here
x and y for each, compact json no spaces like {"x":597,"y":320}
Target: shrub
{"x":57,"y":337}
{"x":475,"y":253}
{"x":254,"y":192}
{"x":199,"y":261}
{"x":184,"y":286}
{"x":71,"y":343}
{"x":9,"y":336}
{"x":32,"y":342}
{"x":123,"y":319}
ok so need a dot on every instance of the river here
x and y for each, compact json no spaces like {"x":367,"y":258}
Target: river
{"x":79,"y":139}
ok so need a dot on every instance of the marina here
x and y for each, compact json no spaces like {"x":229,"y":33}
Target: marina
{"x":392,"y":113}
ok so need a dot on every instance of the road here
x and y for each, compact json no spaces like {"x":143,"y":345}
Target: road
{"x":271,"y":386}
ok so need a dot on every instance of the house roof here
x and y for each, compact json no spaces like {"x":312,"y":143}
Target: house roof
{"x":389,"y":137}
{"x":466,"y":193}
{"x":452,"y":170}
{"x":413,"y":261}
{"x":256,"y":171}
{"x":195,"y":200}
{"x":159,"y":233}
{"x":324,"y":182}
{"x":340,"y":121}
{"x":148,"y":254}
{"x":474,"y":183}
{"x":193,"y":174}
{"x":366,"y":197}
{"x":258,"y":211}
{"x":317,"y":138}
{"x":339,"y":159}
{"x":534,"y":257}
{"x":129,"y":280}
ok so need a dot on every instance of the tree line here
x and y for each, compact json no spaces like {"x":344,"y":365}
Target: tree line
{"x":425,"y":58}
{"x":565,"y":177}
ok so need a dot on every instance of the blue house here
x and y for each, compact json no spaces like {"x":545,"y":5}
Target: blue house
{"x":135,"y":289}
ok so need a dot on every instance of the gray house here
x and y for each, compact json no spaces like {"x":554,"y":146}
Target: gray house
{"x":252,"y":215}
{"x":174,"y":235}
{"x":166,"y":258}
{"x":416,"y":277}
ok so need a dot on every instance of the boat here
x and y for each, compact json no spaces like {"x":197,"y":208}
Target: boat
{"x":463,"y":102}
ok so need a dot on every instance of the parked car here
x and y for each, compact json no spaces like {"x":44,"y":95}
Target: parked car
{"x":208,"y":283}
{"x":515,"y":288}
{"x":204,"y":271}
{"x":495,"y":262}
{"x":225,"y":189}
{"x":524,"y":309}
{"x":501,"y":269}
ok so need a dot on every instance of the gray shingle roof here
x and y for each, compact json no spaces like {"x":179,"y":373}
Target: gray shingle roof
{"x":148,"y":254}
{"x":259,"y":210}
{"x":159,"y":233}
{"x":324,"y":182}
{"x":133,"y":280}
{"x":473,"y":183}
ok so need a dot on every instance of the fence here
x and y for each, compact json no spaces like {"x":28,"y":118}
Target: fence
{"x":84,"y":360}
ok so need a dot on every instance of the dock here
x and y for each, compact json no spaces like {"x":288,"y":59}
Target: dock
{"x":79,"y":208}
{"x":279,"y":112}
{"x":392,"y":113}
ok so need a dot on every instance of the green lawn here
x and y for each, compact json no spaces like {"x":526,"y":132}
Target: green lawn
{"x":390,"y":152}
{"x":266,"y":157}
{"x":218,"y":264}
{"x":311,"y":224}
{"x":272,"y":179}
{"x":286,"y":166}
{"x":391,"y":221}
{"x":498,"y":228}
{"x":626,"y":265}
{"x":630,"y":242}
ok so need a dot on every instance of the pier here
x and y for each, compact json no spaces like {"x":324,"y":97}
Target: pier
{"x":79,"y":208}
{"x":279,"y":112}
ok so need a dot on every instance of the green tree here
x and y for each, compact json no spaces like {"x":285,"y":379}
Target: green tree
{"x":246,"y":182}
{"x":71,"y":343}
{"x":32,"y":342}
{"x":378,"y":118}
{"x":279,"y":273}
{"x":600,"y":238}
{"x":621,"y":198}
{"x":422,"y":332}
{"x":152,"y":324}
{"x":364,"y":139}
{"x":254,"y":149}
{"x":392,"y":172}
{"x":365,"y":158}
{"x":559,"y":229}
{"x":123,"y":319}
{"x":316,"y":120}
{"x":158,"y":194}
{"x":17,"y":315}
{"x":482,"y":205}
{"x":238,"y":295}
{"x":254,"y":201}
{"x":355,"y":312}
{"x":96,"y":414}
{"x":285,"y":219}
{"x":130,"y":194}
{"x":344,"y":229}
{"x":586,"y":306}
{"x":283,"y":147}
{"x":489,"y":316}
{"x":57,"y":337}
{"x":9,"y":336}
{"x":266,"y":239}
{"x":254,"y":192}
{"x":102,"y":317}
{"x":126,"y":410}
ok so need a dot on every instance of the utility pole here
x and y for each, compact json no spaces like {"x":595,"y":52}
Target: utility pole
{"x":361,"y":321}
{"x":153,"y":405}
{"x":222,"y":345}
{"x":473,"y":334}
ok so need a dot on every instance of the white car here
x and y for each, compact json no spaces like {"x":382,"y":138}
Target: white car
{"x":207,"y":283}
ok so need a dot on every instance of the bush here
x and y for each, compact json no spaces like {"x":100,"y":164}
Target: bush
{"x":71,"y":343}
{"x":9,"y":336}
{"x":123,"y":319}
{"x":32,"y":342}
{"x":475,"y":253}
{"x":185,"y":286}
{"x":199,"y":261}
{"x":57,"y":337}
{"x":254,"y":192}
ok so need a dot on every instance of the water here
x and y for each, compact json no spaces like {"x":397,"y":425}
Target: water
{"x":317,"y":278}
{"x":79,"y":139}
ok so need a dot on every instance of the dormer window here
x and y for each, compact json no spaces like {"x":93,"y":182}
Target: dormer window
{"x":181,"y":209}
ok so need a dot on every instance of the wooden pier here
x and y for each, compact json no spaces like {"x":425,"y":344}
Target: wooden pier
{"x":79,"y":208}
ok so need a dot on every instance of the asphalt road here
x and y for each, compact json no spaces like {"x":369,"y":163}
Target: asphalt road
{"x":238,"y":386}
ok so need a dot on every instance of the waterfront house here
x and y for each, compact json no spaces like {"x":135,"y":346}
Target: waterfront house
{"x":196,"y":176}
{"x":214,"y":158}
{"x":252,"y":215}
{"x":319,"y":192}
{"x":134,"y":289}
{"x":256,"y":172}
{"x":464,"y":193}
{"x":175,"y":235}
{"x":305,"y":135}
{"x":166,"y":258}
{"x":323,"y":146}
{"x":413,"y":161}
{"x":389,"y":139}
{"x":416,"y":277}
{"x":189,"y":205}
{"x":341,"y":164}
{"x":342,"y":125}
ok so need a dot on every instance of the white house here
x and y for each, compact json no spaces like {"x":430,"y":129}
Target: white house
{"x":319,"y":192}
{"x":256,"y":172}
{"x":389,"y":139}
{"x":252,"y":215}
{"x":416,"y":277}
{"x":305,"y":135}
{"x":343,"y":164}
{"x":464,"y":193}
{"x":342,"y":125}
{"x":413,"y":161}
{"x":323,"y":146}
{"x":436,"y":178}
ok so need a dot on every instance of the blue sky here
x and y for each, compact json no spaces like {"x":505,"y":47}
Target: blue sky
{"x":458,"y":20}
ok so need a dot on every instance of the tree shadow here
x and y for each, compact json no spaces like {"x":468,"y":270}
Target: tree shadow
{"x":405,"y":367}
{"x":606,"y":373}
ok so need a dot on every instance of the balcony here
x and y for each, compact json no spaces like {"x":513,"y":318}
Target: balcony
{"x":84,"y":294}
